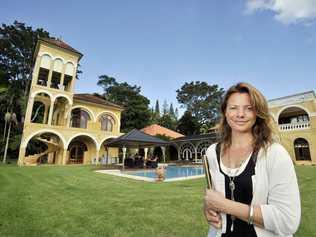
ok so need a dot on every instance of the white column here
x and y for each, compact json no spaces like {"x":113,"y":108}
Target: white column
{"x":163,"y":153}
{"x":64,"y":157}
{"x":97,"y":156}
{"x":51,"y":110}
{"x":50,"y":74}
{"x":45,"y":114}
{"x":124,"y":155}
{"x":195,"y":151}
{"x":179,"y":155}
{"x":146,"y":152}
{"x":29,"y":110}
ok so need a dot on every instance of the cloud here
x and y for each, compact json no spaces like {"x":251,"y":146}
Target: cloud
{"x":287,"y":11}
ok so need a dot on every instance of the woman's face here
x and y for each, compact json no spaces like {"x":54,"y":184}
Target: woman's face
{"x":240,"y":114}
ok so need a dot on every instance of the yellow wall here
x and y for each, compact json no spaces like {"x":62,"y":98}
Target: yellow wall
{"x":287,"y":138}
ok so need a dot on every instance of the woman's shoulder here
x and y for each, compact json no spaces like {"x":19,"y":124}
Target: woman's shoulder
{"x":211,"y":150}
{"x":277,"y":154}
{"x":276,"y":148}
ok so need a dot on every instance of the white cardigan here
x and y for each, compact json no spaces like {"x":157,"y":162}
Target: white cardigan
{"x":275,"y":190}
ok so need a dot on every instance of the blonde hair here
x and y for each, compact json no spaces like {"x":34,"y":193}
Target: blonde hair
{"x":261,"y":130}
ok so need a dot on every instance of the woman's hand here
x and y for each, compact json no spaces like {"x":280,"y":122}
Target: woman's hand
{"x":215,"y":201}
{"x":212,"y":217}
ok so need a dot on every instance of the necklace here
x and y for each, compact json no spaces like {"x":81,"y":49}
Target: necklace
{"x":232,"y":187}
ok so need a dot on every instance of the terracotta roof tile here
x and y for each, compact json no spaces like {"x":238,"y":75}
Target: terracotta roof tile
{"x":157,"y":129}
{"x":61,"y":44}
{"x":95,"y":99}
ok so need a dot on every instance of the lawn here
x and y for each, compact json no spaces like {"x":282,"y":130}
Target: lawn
{"x":74,"y":201}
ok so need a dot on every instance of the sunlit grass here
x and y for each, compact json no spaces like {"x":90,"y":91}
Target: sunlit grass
{"x":75,"y":201}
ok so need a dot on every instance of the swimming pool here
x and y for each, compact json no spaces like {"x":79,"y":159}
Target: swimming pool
{"x":173,"y":173}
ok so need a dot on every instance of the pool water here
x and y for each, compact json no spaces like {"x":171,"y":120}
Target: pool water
{"x":172,"y":171}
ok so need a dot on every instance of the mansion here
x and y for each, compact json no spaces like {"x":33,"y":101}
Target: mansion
{"x":62,"y":127}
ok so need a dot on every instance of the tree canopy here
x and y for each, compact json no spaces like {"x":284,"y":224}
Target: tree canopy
{"x":202,"y":101}
{"x":136,"y":113}
{"x":17,"y":45}
{"x":188,"y":124}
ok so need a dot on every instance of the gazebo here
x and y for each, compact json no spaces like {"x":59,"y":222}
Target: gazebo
{"x":136,"y":139}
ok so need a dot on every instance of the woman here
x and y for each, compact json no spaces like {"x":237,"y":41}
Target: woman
{"x":255,"y":190}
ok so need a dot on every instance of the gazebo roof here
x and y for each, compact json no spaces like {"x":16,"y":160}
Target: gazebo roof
{"x":135,"y":138}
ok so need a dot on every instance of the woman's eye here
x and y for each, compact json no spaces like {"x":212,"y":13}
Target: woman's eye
{"x":249,"y":108}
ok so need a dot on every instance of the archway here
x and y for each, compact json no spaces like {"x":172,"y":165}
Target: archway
{"x":79,"y":118}
{"x":76,"y":152}
{"x":60,"y":111}
{"x":173,"y":152}
{"x":187,"y":151}
{"x":82,"y":149}
{"x":201,"y":149}
{"x":40,"y":108}
{"x":301,"y":148}
{"x":293,"y":115}
{"x":44,"y":148}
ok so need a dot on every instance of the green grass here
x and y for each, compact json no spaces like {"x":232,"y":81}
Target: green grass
{"x":74,"y":201}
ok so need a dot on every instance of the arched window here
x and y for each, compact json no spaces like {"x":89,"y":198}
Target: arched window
{"x":107,"y":123}
{"x":301,"y":148}
{"x":79,"y":118}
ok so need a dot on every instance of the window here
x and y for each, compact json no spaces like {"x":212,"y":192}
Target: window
{"x":55,"y":80}
{"x":67,"y":82}
{"x":42,"y":76}
{"x":107,"y":123}
{"x":79,"y":118}
{"x":301,"y":147}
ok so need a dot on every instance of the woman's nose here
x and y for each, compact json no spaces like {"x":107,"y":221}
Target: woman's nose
{"x":241,"y":113}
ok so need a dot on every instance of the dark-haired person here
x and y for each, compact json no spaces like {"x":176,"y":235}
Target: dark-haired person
{"x":255,"y":190}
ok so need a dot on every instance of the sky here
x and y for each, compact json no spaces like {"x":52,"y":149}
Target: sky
{"x":159,"y":45}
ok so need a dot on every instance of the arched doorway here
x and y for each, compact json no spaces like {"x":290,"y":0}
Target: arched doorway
{"x":158,"y":152}
{"x":82,"y":149}
{"x":302,"y":151}
{"x":76,"y":152}
{"x":173,"y":152}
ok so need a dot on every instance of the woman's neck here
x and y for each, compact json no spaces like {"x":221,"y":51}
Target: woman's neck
{"x":240,"y":140}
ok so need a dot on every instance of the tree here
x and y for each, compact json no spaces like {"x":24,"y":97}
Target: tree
{"x":136,"y":112}
{"x":9,"y":118}
{"x":176,"y":113}
{"x":155,"y":114}
{"x":157,"y":109}
{"x":168,"y":121}
{"x":171,"y":111}
{"x":17,"y":45}
{"x":165,"y":107}
{"x":188,"y":124}
{"x":202,"y":100}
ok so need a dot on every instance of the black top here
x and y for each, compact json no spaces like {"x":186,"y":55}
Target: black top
{"x":242,"y":193}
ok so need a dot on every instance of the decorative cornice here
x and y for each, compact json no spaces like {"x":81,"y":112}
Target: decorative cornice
{"x":293,"y":99}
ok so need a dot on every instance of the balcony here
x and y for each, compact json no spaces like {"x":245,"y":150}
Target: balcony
{"x":294,"y":126}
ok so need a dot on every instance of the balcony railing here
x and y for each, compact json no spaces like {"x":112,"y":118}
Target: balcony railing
{"x":294,"y":126}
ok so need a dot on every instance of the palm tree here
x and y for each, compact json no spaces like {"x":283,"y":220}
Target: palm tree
{"x":9,"y":118}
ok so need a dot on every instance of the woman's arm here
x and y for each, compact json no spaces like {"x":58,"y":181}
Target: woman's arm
{"x":282,"y":212}
{"x":217,"y":202}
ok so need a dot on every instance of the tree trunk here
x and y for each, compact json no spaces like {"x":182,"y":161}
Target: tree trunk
{"x":5,"y":129}
{"x":6,"y":145}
